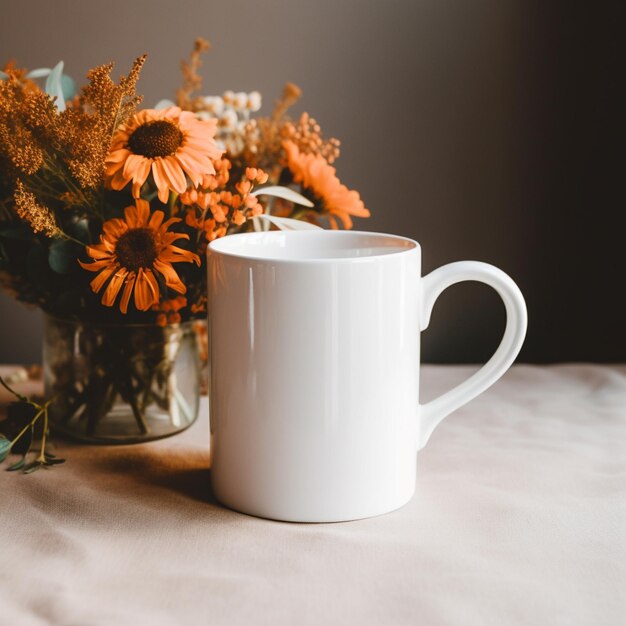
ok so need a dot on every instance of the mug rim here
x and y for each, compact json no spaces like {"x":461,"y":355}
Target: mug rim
{"x":220,"y":246}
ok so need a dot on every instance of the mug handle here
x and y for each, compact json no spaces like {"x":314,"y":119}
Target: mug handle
{"x":433,"y":284}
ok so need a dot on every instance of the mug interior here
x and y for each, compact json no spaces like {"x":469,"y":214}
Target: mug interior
{"x":311,"y":245}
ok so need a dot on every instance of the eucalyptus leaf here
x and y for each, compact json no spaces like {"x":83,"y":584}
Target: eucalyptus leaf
{"x":283,"y":192}
{"x":16,"y":466}
{"x":79,"y":230}
{"x":3,"y":75}
{"x":5,"y":448}
{"x":31,"y":467}
{"x":39,"y":72}
{"x":54,"y":87}
{"x":54,"y":461}
{"x":68,"y":86}
{"x":62,"y":256}
{"x":287,"y":223}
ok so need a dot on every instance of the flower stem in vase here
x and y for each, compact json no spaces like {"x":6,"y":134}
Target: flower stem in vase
{"x":121,"y":383}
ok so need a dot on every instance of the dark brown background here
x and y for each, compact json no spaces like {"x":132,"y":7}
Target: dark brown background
{"x":485,"y":129}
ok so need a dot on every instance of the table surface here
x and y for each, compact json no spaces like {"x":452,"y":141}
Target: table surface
{"x":519,"y":518}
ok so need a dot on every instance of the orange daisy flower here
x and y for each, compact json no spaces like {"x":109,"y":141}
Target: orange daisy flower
{"x":132,"y":252}
{"x":315,"y":174}
{"x":170,"y":143}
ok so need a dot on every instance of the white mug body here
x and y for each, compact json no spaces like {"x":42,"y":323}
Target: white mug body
{"x":314,"y":357}
{"x":314,"y":371}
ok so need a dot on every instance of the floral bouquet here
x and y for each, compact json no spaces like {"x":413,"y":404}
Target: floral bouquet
{"x":106,"y":210}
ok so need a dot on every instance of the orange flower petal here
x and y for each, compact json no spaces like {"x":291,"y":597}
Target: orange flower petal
{"x":96,"y":266}
{"x":175,"y":174}
{"x":132,"y":164}
{"x":160,"y":179}
{"x":114,"y":286}
{"x":118,"y":181}
{"x":168,"y":223}
{"x":98,"y":252}
{"x":156,"y":220}
{"x":143,"y":212}
{"x":102,"y":277}
{"x":145,"y":293}
{"x":131,"y":216}
{"x":170,"y":237}
{"x":172,"y":279}
{"x":154,"y":285}
{"x":174,"y":254}
{"x":117,"y":156}
{"x":171,"y":112}
{"x":140,"y":176}
{"x":191,"y":167}
{"x":112,"y":229}
{"x":128,"y":290}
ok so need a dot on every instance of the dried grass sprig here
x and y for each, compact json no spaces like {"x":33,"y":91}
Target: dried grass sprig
{"x":40,"y":218}
{"x":192,"y":81}
{"x":24,"y":116}
{"x":86,"y":131}
{"x":291,"y":94}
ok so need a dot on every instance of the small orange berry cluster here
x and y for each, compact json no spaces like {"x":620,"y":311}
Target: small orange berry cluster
{"x":168,"y":310}
{"x":307,"y":135}
{"x":213,"y":208}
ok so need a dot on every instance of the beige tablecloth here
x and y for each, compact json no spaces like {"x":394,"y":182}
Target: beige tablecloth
{"x":519,"y":518}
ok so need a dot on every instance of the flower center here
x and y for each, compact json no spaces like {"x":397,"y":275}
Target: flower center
{"x":159,"y":138}
{"x":136,"y":248}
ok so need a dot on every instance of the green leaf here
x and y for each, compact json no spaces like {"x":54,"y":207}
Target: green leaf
{"x":283,"y":192}
{"x":31,"y":467}
{"x":39,"y":72}
{"x":79,"y":230}
{"x":62,"y":256}
{"x":54,"y":88}
{"x":19,"y":465}
{"x":5,"y":448}
{"x":54,"y":461}
{"x":68,"y":86}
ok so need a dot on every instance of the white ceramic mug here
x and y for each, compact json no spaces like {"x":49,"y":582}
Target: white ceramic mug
{"x":314,"y":340}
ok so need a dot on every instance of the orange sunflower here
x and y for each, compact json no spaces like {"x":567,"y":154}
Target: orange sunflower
{"x":132,"y":252}
{"x":170,"y":142}
{"x":315,"y":174}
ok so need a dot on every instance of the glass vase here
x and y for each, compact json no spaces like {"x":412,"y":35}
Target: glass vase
{"x":121,"y":383}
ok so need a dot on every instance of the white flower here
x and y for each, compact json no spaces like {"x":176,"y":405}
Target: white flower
{"x":228,"y":97}
{"x":254,"y":101}
{"x":164,"y":104}
{"x":241,"y":100}
{"x":228,"y":120}
{"x":214,"y":104}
